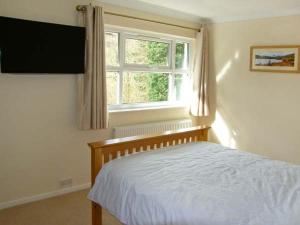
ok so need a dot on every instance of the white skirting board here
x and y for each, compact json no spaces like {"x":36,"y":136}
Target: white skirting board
{"x":38,"y":197}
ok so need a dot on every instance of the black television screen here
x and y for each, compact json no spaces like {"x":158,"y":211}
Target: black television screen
{"x":37,"y":47}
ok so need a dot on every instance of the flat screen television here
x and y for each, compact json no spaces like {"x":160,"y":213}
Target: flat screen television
{"x":38,"y":47}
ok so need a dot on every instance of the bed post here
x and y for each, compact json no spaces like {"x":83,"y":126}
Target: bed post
{"x":96,"y":164}
{"x":96,"y":214}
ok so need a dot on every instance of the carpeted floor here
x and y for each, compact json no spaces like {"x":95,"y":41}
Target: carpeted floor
{"x":70,"y":209}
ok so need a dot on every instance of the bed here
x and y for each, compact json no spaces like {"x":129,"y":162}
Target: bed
{"x":190,"y":181}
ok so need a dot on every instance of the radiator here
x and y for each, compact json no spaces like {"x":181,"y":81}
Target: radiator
{"x":151,"y":128}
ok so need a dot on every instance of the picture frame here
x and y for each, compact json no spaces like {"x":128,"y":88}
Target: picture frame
{"x":276,"y":59}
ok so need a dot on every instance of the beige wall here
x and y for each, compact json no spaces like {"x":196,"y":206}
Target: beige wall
{"x":40,"y":143}
{"x":257,"y":112}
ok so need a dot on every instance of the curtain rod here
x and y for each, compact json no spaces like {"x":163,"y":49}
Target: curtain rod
{"x":82,"y":8}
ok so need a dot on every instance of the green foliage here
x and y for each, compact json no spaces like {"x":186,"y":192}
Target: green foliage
{"x":158,"y":87}
{"x":135,"y":87}
{"x":159,"y":83}
{"x":179,"y":55}
{"x":157,"y":53}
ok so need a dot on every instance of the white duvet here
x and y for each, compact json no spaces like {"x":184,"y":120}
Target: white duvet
{"x":199,"y":184}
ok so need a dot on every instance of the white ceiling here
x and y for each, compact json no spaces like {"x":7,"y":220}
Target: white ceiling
{"x":214,"y":10}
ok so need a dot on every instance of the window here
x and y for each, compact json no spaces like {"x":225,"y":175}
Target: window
{"x":145,"y":71}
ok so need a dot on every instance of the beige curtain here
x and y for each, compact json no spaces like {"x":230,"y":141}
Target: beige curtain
{"x":200,"y":105}
{"x":92,"y":85}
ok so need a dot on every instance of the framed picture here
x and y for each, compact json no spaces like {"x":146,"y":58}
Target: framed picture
{"x":278,"y":59}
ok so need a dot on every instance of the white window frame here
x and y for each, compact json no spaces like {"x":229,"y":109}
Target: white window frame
{"x":125,"y":33}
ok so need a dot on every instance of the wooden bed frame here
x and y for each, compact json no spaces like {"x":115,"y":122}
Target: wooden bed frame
{"x":105,"y":151}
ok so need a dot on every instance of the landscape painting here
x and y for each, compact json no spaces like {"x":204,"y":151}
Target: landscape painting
{"x":275,"y":59}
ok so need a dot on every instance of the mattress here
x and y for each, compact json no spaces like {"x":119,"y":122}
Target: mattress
{"x":199,"y":184}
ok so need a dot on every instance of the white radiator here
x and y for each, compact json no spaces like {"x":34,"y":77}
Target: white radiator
{"x":151,"y":128}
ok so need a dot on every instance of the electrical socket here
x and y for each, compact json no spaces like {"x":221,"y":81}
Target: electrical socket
{"x":67,"y":182}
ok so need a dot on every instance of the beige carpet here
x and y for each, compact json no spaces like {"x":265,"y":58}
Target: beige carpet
{"x":70,"y":209}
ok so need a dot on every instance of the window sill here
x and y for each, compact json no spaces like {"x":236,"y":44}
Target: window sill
{"x":146,"y":108}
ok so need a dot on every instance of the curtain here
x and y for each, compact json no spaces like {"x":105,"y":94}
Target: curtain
{"x":92,"y":85}
{"x":200,"y":104}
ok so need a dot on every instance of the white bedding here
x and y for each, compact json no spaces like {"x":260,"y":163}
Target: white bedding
{"x":199,"y":184}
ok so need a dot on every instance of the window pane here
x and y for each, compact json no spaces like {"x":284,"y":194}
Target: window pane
{"x":146,"y":52}
{"x":112,"y":48}
{"x":181,"y":58}
{"x":112,"y":87}
{"x":145,"y":87}
{"x":180,"y":89}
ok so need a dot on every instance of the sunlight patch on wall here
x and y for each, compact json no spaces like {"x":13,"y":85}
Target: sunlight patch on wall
{"x":224,"y":70}
{"x":237,"y":54}
{"x":223,"y":132}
